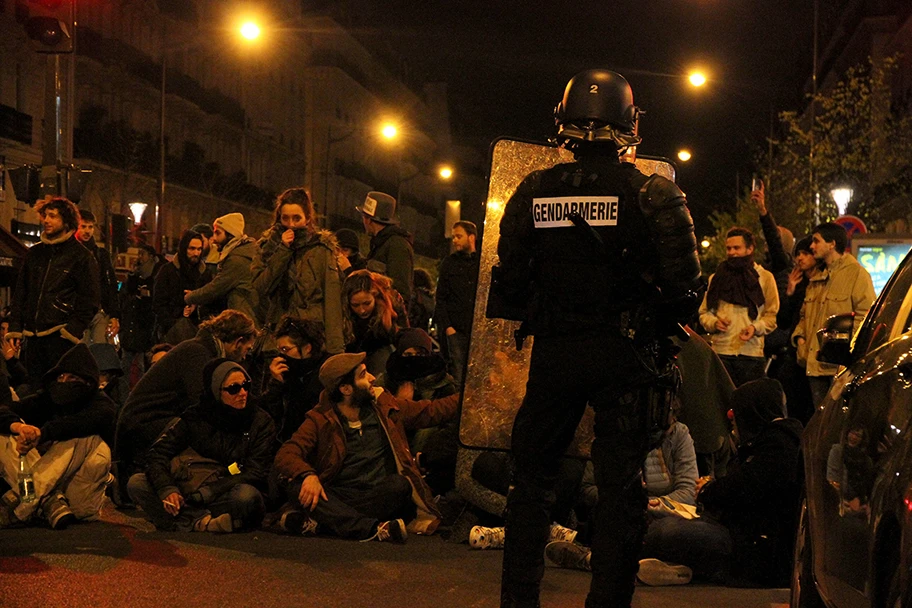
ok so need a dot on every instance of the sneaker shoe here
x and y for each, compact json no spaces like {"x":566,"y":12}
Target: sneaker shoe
{"x":390,"y":531}
{"x":298,"y":523}
{"x":656,"y":573}
{"x":559,"y":532}
{"x":217,"y":525}
{"x":566,"y":554}
{"x":57,"y":512}
{"x":486,"y":538}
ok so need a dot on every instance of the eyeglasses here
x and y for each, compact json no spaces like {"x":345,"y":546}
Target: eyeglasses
{"x":237,"y":387}
{"x":287,"y":349}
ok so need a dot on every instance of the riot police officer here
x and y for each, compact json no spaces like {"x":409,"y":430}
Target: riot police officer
{"x":603,"y":258}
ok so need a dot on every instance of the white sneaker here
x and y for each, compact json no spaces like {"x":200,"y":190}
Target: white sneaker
{"x":559,"y":532}
{"x":656,"y":573}
{"x":486,"y":538}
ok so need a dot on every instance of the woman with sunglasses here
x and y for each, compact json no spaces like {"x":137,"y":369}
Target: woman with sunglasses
{"x":208,"y":471}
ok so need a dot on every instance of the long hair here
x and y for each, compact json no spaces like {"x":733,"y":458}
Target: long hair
{"x":296,"y":196}
{"x":383,"y":319}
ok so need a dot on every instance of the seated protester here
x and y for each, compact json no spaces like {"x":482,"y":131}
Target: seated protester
{"x":231,"y":438}
{"x":483,"y":479}
{"x":349,"y":466}
{"x":371,"y":318}
{"x":677,"y":545}
{"x":63,"y":430}
{"x":11,"y":366}
{"x":157,"y":353}
{"x":757,"y":500}
{"x":414,"y":372}
{"x":173,"y":384}
{"x":111,"y":379}
{"x":294,"y":385}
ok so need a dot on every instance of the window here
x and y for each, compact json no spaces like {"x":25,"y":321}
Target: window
{"x":894,"y":305}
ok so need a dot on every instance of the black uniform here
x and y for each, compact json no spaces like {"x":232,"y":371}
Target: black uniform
{"x":594,"y":306}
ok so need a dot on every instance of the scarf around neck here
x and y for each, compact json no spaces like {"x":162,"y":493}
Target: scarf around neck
{"x":737,"y":282}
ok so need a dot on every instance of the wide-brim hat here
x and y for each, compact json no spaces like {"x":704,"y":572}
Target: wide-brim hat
{"x":379,"y":207}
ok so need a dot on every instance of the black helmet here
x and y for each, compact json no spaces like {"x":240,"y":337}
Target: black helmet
{"x":598,"y":106}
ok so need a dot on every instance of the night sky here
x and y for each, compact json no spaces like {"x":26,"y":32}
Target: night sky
{"x":506,"y":64}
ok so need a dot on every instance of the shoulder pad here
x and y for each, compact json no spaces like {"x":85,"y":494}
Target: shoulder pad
{"x":659,"y":193}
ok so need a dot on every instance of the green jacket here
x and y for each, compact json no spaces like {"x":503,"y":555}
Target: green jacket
{"x":233,"y":281}
{"x":303,"y":280}
{"x":845,"y":286}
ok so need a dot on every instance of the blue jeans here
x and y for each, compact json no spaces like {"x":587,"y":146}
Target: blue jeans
{"x":702,"y":545}
{"x":458,"y":351}
{"x":243,"y":501}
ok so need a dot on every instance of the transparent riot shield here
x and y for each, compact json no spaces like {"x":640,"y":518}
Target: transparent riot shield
{"x":497,"y":372}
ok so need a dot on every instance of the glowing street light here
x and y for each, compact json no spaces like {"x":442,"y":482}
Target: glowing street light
{"x":842,"y":196}
{"x":250,"y":30}
{"x":445,"y":173}
{"x":705,"y":243}
{"x":697,"y":79}
{"x":684,"y":155}
{"x":137,"y":209}
{"x":389,"y":131}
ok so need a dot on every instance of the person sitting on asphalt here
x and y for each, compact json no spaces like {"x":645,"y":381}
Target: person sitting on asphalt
{"x":63,"y":431}
{"x":293,"y":387}
{"x":111,"y":379}
{"x":223,"y":447}
{"x":349,"y":466}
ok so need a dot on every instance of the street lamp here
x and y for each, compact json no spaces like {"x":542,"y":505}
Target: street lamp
{"x":389,"y":131}
{"x":842,"y":197}
{"x":249,"y":31}
{"x":137,"y":208}
{"x":697,"y":78}
{"x":445,"y":172}
{"x":684,"y":155}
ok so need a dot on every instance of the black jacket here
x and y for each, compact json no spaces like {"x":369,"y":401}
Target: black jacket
{"x":94,"y":414}
{"x":171,"y":282}
{"x":456,"y":286}
{"x":288,"y":402}
{"x":107,"y":279}
{"x":137,"y":323}
{"x":391,"y":254}
{"x":251,"y":446}
{"x":57,"y":288}
{"x":167,"y":389}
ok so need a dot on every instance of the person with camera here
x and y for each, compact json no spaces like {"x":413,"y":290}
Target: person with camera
{"x":603,"y":261}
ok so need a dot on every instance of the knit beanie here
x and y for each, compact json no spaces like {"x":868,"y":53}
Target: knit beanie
{"x":220,"y":373}
{"x":233,"y":224}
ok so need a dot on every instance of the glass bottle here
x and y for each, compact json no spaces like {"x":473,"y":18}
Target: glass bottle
{"x":26,"y":482}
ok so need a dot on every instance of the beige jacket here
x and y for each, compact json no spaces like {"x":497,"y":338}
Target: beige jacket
{"x":728,"y":342}
{"x":844,"y":286}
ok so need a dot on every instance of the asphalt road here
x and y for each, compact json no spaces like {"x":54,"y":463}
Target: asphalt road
{"x":121,"y":562}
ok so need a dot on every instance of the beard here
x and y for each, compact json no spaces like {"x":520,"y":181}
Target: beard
{"x":361,"y":397}
{"x":193,"y":259}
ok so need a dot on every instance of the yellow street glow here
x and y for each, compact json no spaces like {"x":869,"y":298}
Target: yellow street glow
{"x":684,"y":155}
{"x":389,"y":131}
{"x":697,"y":79}
{"x":446,"y":172}
{"x":250,"y":30}
{"x":705,"y":243}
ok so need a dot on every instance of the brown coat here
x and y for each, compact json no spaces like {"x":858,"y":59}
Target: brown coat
{"x":318,"y":446}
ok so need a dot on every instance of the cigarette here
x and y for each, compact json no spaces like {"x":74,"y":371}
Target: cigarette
{"x":171,"y":504}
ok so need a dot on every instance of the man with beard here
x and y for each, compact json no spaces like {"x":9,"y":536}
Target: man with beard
{"x":232,"y":285}
{"x":390,"y":245}
{"x":296,"y":271}
{"x":138,"y":328}
{"x":106,"y":321}
{"x":293,"y":387}
{"x":56,"y":294}
{"x":186,"y":272}
{"x":210,"y":253}
{"x":349,"y":466}
{"x":740,"y":308}
{"x":63,"y":431}
{"x":455,"y":303}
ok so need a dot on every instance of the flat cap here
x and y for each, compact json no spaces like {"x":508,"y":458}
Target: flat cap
{"x":337,"y":366}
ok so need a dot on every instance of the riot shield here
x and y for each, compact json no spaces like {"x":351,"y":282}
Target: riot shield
{"x":496,"y":374}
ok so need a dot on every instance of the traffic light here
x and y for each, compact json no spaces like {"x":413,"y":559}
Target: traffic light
{"x":51,"y":25}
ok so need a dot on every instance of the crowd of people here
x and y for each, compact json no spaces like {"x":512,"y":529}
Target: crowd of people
{"x":289,"y":382}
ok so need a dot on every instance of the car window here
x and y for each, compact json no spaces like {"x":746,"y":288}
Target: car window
{"x":890,"y":316}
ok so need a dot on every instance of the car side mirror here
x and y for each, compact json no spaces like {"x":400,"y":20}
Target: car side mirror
{"x":835,"y":339}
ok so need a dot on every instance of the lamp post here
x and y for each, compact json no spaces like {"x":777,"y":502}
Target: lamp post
{"x":250,"y":31}
{"x":137,"y":209}
{"x":842,"y":196}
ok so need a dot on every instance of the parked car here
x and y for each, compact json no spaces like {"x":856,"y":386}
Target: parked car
{"x":854,"y":533}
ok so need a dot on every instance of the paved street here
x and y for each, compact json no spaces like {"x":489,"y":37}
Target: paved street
{"x":120,"y":561}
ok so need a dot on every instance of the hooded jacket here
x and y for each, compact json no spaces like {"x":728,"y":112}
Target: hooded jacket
{"x":302,"y":280}
{"x":214,"y":430}
{"x":171,"y":282}
{"x":91,"y":413}
{"x":318,"y":446}
{"x":391,"y":254}
{"x":233,"y":282}
{"x":57,"y":290}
